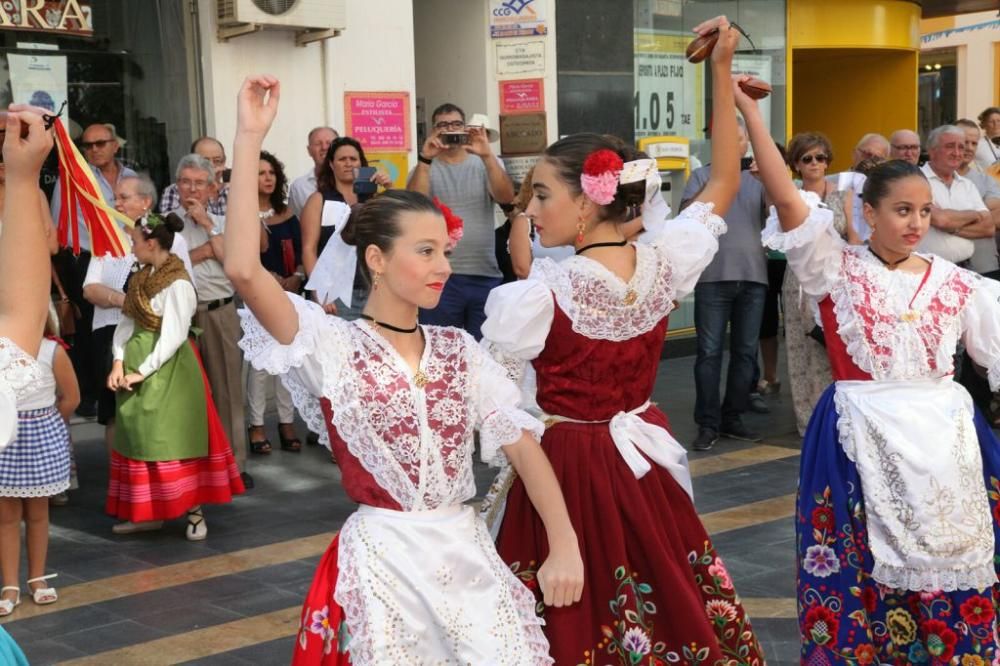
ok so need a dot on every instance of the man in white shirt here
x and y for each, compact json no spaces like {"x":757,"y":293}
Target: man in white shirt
{"x":216,"y":315}
{"x":959,"y":217}
{"x":988,"y":186}
{"x":320,"y":139}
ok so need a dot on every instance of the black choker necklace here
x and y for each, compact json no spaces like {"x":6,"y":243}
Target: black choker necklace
{"x":621,"y":243}
{"x":382,"y":324}
{"x":888,"y":264}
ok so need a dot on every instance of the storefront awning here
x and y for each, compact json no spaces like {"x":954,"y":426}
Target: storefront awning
{"x":935,"y":8}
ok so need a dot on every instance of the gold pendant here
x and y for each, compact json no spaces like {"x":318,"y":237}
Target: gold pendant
{"x":910,"y":316}
{"x":631,"y":297}
{"x":420,"y":380}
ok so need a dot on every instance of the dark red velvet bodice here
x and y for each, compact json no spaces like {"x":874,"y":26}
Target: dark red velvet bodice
{"x":592,"y":380}
{"x":841,"y":365}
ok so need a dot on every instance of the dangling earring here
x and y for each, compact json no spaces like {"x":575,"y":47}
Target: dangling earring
{"x":580,"y":228}
{"x":375,"y":280}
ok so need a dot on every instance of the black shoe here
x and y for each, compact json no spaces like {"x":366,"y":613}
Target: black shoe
{"x":758,"y":404}
{"x":736,"y":430}
{"x":247,"y":480}
{"x":312,"y":439}
{"x":706,"y":439}
{"x":87,"y":410}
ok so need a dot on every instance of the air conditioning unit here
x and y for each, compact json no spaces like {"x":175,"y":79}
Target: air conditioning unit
{"x":311,"y":19}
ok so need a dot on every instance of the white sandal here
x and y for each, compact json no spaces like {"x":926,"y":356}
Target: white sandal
{"x":197,"y":528}
{"x":6,"y":605}
{"x":43,"y":595}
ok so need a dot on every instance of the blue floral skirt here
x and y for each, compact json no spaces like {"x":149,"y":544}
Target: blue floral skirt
{"x":845,"y":617}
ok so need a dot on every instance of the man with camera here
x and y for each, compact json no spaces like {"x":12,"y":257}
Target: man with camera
{"x":458,"y":166}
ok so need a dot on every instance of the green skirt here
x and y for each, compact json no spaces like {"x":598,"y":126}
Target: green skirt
{"x":165,"y":416}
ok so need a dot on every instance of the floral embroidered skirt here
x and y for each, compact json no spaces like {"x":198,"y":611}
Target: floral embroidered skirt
{"x":845,"y":617}
{"x":655,"y":590}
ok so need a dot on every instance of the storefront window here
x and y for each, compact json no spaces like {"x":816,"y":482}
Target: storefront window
{"x":132,"y":72}
{"x":673,"y":97}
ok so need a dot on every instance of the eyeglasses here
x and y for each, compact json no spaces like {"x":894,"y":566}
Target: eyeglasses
{"x":90,"y":145}
{"x":808,"y":159}
{"x":192,"y":184}
{"x":450,"y":125}
{"x":908,"y":148}
{"x":218,"y":161}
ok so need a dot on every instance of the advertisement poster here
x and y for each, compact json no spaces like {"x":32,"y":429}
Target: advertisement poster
{"x":520,"y":60}
{"x":39,"y":80}
{"x":669,"y":91}
{"x":522,"y":96}
{"x":380,"y":121}
{"x":397,"y":165}
{"x":517,"y":18}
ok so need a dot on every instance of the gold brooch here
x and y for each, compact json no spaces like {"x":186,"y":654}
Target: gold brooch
{"x":420,"y":380}
{"x":631,"y":297}
{"x":910,"y":316}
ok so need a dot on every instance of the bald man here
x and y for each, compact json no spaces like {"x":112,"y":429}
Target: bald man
{"x":212,"y":150}
{"x":100,"y":145}
{"x":320,"y":139}
{"x":871,"y":146}
{"x":904,"y":145}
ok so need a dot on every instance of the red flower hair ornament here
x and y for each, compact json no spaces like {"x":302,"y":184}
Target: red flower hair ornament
{"x":454,"y":223}
{"x":601,"y":171}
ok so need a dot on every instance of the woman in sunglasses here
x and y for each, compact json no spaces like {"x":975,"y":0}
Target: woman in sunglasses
{"x":809,"y":156}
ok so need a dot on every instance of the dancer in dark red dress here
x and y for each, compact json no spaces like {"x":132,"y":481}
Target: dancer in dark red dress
{"x":590,"y":329}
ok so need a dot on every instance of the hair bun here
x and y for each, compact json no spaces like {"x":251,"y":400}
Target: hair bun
{"x":174,"y":223}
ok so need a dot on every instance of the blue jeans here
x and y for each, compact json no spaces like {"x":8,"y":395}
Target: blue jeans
{"x":462,"y":303}
{"x":741,"y":305}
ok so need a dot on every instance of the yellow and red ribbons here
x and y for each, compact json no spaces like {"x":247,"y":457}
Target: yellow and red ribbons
{"x":78,"y":187}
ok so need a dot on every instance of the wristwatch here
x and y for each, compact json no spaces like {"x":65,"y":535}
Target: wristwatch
{"x":214,"y":232}
{"x":425,"y":160}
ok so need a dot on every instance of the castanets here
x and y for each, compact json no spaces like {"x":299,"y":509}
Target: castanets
{"x":755,"y":88}
{"x":701,"y":46}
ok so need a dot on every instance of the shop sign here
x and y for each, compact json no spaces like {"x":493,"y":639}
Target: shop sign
{"x":58,"y":16}
{"x":517,"y":18}
{"x":518,"y":167}
{"x":522,"y":96}
{"x":523,"y":134}
{"x":519,"y":60}
{"x":397,"y":165}
{"x":669,"y":91}
{"x":380,"y":121}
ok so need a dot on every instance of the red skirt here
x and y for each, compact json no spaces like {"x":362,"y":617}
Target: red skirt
{"x":322,"y":630}
{"x":141,"y":490}
{"x":655,"y":592}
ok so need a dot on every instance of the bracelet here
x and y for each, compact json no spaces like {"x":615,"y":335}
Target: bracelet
{"x":424,"y":160}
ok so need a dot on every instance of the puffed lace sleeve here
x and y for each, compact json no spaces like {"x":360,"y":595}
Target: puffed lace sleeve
{"x":814,"y":249}
{"x":18,"y":373}
{"x":980,"y":321}
{"x":689,"y":242}
{"x":499,"y":418}
{"x":313,"y":363}
{"x":518,"y":319}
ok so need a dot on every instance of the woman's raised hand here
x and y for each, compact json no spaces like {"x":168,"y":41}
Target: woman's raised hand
{"x":257,"y":104}
{"x":728,"y":38}
{"x":26,"y":143}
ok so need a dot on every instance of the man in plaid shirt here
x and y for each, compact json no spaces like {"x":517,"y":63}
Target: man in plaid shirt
{"x":212,"y":150}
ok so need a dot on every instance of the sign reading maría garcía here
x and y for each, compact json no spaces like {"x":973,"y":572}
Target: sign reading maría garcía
{"x":58,"y":16}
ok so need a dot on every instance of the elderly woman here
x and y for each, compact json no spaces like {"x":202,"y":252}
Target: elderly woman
{"x":988,"y":150}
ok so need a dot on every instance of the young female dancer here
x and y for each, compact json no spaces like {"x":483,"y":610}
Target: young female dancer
{"x":898,"y":511}
{"x":413,"y":577}
{"x":592,"y":328}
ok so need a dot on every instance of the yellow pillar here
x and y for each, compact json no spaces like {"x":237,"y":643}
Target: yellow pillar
{"x":852,"y":69}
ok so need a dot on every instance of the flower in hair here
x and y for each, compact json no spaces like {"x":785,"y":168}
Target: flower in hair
{"x":599,"y":179}
{"x":148,"y":222}
{"x":454,"y":223}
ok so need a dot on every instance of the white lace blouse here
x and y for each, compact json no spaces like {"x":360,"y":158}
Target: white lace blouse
{"x":18,"y":373}
{"x":895,"y":325}
{"x":413,"y":432}
{"x":600,"y":304}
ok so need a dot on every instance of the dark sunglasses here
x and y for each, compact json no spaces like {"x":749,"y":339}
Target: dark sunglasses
{"x":87,"y":145}
{"x":808,"y":159}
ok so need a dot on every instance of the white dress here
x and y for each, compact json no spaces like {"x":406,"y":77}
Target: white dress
{"x":419,"y":579}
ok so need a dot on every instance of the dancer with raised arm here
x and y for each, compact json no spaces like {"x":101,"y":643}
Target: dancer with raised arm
{"x":592,"y":328}
{"x":24,"y":293}
{"x":898,"y":511}
{"x":413,"y":576}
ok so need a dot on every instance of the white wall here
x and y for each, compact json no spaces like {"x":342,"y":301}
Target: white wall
{"x":374,"y":53}
{"x":975,"y":50}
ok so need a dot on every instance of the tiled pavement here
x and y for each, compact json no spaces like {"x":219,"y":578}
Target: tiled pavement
{"x":155,"y":598}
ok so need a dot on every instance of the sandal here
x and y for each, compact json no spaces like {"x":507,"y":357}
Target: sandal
{"x":261,"y":447}
{"x":293,"y":444}
{"x":197,"y":528}
{"x":43,"y":595}
{"x":6,"y":605}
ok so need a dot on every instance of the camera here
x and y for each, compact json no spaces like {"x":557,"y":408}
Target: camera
{"x":454,"y":138}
